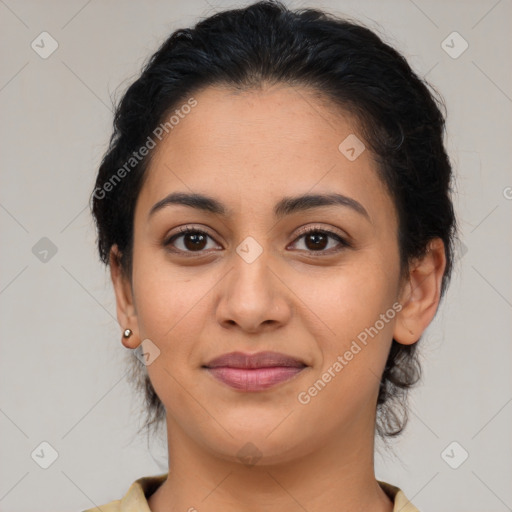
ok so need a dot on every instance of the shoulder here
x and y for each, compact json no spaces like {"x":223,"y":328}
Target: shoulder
{"x":400,"y":501}
{"x":135,"y":499}
{"x":112,"y":506}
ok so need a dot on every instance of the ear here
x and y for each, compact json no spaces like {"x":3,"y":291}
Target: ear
{"x":420,"y":294}
{"x":126,"y":313}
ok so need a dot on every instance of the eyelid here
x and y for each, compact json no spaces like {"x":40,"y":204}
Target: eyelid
{"x":329,"y":230}
{"x":183,"y":230}
{"x":344,"y":240}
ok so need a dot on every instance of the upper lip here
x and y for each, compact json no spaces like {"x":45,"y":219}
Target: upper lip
{"x":258,"y":360}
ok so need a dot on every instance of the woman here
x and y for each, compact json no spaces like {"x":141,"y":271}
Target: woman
{"x":275,"y":210}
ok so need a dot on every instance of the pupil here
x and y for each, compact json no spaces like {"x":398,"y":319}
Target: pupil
{"x":316,"y":238}
{"x":196,"y":241}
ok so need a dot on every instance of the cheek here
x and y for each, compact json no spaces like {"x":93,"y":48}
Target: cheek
{"x":163,"y":294}
{"x":171,"y":313}
{"x":354,"y":298}
{"x":170,"y":308}
{"x":357,"y":306}
{"x":164,"y":302}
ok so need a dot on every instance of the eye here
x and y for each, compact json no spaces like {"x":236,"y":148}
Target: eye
{"x":191,"y":240}
{"x":317,"y":240}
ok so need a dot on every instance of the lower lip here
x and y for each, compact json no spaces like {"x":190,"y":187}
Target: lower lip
{"x":255,"y":379}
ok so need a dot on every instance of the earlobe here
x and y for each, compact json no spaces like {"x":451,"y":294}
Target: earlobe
{"x":126,"y":334}
{"x":420,"y":294}
{"x":125,"y":306}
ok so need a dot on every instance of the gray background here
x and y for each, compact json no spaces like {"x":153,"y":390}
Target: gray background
{"x":63,"y":373}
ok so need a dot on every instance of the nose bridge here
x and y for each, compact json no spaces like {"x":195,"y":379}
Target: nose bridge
{"x":252,"y":295}
{"x":252,"y":270}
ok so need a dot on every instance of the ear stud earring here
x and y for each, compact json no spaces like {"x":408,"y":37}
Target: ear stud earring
{"x":127,"y":333}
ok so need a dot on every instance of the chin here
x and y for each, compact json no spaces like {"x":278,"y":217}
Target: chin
{"x":256,"y":437}
{"x":257,"y":450}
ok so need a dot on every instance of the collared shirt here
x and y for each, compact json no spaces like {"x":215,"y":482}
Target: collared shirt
{"x":136,"y":499}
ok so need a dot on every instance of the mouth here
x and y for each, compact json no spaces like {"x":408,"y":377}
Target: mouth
{"x":254,"y":372}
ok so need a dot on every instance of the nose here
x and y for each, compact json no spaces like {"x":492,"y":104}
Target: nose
{"x":253,"y":297}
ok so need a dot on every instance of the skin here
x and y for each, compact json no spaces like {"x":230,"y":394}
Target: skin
{"x":249,"y":150}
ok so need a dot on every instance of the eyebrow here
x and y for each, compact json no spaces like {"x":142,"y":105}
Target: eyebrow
{"x":286,"y":206}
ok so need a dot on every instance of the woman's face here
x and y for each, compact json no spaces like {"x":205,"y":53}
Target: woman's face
{"x":253,"y":281}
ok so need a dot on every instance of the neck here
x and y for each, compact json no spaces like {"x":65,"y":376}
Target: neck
{"x":338,"y":475}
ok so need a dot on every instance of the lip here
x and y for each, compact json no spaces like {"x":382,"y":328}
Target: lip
{"x":254,"y":372}
{"x":257,"y":360}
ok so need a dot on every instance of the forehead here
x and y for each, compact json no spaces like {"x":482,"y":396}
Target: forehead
{"x":251,"y":148}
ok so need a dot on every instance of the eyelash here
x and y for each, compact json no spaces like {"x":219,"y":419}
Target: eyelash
{"x":304,"y":232}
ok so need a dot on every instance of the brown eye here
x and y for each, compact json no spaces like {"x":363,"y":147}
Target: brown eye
{"x":194,"y":241}
{"x":317,"y":240}
{"x":189,"y":240}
